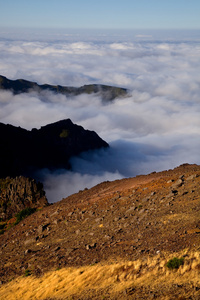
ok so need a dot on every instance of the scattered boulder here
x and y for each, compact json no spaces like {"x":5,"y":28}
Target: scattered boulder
{"x":177,"y":184}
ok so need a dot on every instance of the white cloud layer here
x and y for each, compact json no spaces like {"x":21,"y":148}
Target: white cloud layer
{"x":156,"y":128}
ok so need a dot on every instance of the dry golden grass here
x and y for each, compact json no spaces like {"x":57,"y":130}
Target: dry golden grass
{"x":115,"y":277}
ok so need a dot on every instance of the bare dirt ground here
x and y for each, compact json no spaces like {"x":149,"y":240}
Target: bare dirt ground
{"x":143,"y":219}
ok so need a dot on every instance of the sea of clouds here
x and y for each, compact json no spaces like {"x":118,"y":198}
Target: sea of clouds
{"x":156,"y":128}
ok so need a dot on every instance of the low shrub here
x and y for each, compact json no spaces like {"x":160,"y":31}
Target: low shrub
{"x":24,"y":213}
{"x":64,"y":133}
{"x":27,"y":273}
{"x":175,"y":263}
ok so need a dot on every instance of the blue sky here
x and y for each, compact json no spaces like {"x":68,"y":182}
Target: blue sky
{"x":111,"y":14}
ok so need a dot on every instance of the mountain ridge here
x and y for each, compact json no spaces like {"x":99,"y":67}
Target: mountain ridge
{"x":23,"y":152}
{"x":108,"y":93}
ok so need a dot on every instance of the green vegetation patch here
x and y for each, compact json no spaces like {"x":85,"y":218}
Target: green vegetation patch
{"x":27,"y":273}
{"x":64,"y":133}
{"x":175,"y":263}
{"x":24,"y":213}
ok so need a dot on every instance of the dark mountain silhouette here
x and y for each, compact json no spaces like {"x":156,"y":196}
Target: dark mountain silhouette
{"x":18,"y":86}
{"x":22,"y":152}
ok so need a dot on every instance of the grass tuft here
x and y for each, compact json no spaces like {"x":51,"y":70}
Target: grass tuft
{"x":24,"y":213}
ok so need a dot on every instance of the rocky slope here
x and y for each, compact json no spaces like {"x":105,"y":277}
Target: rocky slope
{"x":22,"y":151}
{"x":20,"y":193}
{"x":136,"y":218}
{"x":106,"y":92}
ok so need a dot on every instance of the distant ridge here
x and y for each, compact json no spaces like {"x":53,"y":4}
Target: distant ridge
{"x":108,"y":93}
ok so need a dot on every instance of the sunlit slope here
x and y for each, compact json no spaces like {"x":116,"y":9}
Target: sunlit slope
{"x":122,"y":280}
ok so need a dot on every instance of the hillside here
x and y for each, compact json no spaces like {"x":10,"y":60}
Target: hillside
{"x":110,"y":242}
{"x":23,"y":152}
{"x":106,"y":92}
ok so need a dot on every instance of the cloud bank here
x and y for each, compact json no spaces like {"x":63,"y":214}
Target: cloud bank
{"x":156,"y":128}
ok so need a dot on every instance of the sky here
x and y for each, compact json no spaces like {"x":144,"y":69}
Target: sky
{"x":110,"y":14}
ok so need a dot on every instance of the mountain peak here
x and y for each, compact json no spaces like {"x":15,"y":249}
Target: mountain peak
{"x":51,"y":147}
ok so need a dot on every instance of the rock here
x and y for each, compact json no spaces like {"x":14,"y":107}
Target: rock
{"x":118,"y":230}
{"x":69,"y":250}
{"x":56,"y":249}
{"x":30,"y":241}
{"x":91,"y":213}
{"x":130,"y":210}
{"x":91,"y":246}
{"x":169,"y":181}
{"x":98,"y":220}
{"x":184,"y":193}
{"x":174,"y":191}
{"x":70,"y":214}
{"x":124,"y":198}
{"x":145,"y":199}
{"x":19,"y":193}
{"x":192,"y":177}
{"x":95,"y":261}
{"x":171,"y":194}
{"x":40,"y":229}
{"x":56,"y":221}
{"x":177,"y":184}
{"x":108,"y":237}
{"x":87,"y":247}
